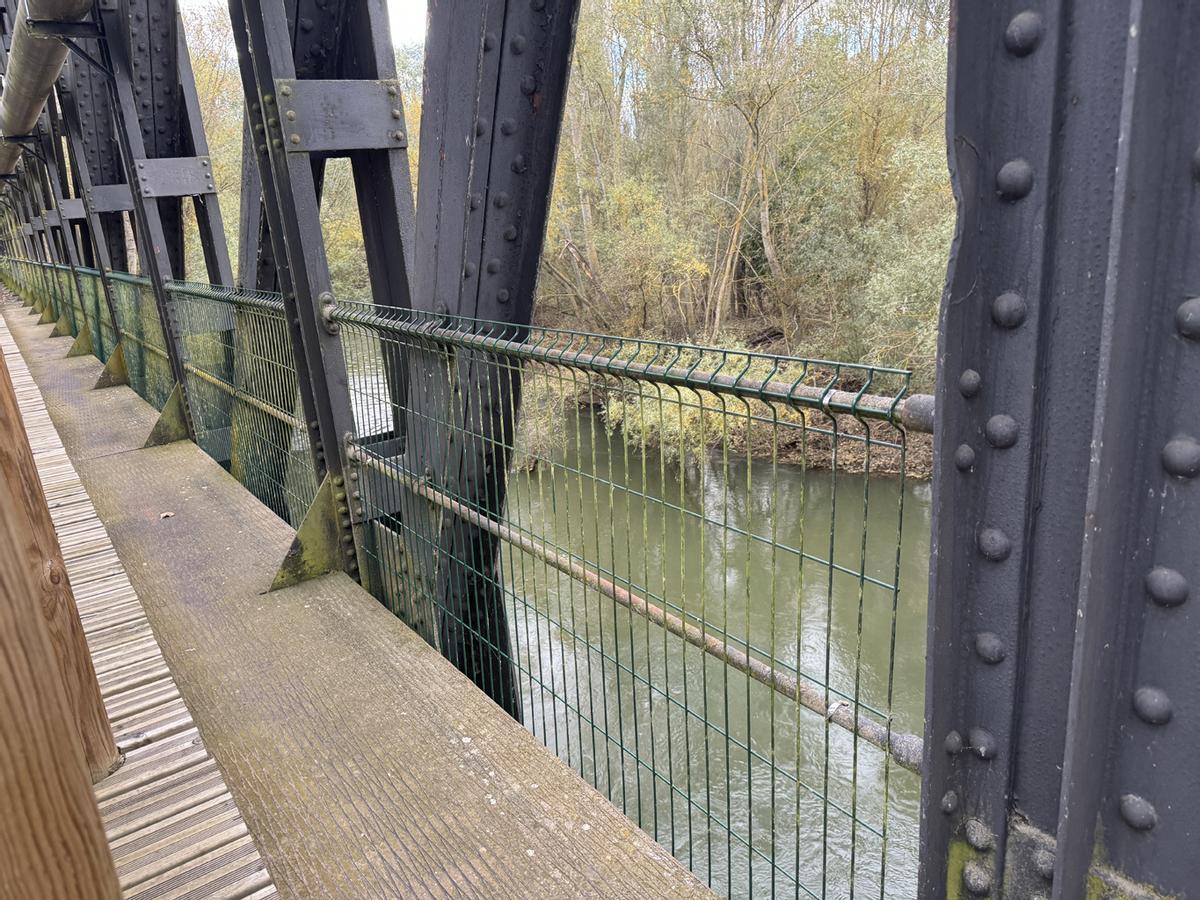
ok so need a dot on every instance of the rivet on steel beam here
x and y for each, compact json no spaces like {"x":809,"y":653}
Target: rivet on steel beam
{"x":1187,"y":319}
{"x":508,"y":126}
{"x":981,"y":741}
{"x":397,"y":135}
{"x":990,"y":647}
{"x":1166,"y":587}
{"x":1152,"y":705}
{"x":964,"y":458}
{"x":276,"y":143}
{"x":1014,"y":180}
{"x":268,"y":99}
{"x":338,"y":480}
{"x":518,"y":164}
{"x":977,"y":879}
{"x":1138,"y":812}
{"x":475,"y":200}
{"x":493,"y":266}
{"x":969,"y":383}
{"x":1043,"y":861}
{"x":528,"y":85}
{"x":1008,"y":310}
{"x":1181,"y":457}
{"x":286,"y":90}
{"x":502,"y":295}
{"x":538,"y":5}
{"x":994,"y":544}
{"x":481,"y":126}
{"x":949,"y":802}
{"x":489,"y":41}
{"x":1001,"y":431}
{"x":500,"y":200}
{"x":349,"y":550}
{"x":517,"y":44}
{"x":953,"y":743}
{"x":391,"y":90}
{"x":468,"y":270}
{"x":396,"y":113}
{"x":1024,"y":33}
{"x":272,"y":122}
{"x":979,"y":835}
{"x":295,"y":138}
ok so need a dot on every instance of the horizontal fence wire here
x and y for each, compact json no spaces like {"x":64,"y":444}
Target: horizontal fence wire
{"x":698,"y":569}
{"x":243,"y":393}
{"x":696,"y":574}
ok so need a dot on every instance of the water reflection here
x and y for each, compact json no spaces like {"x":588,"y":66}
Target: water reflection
{"x":797,"y":567}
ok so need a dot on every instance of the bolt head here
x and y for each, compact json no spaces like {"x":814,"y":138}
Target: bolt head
{"x":1014,"y":180}
{"x":969,"y":383}
{"x":1024,"y":33}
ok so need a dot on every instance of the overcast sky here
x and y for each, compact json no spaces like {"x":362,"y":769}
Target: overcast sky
{"x":408,"y":21}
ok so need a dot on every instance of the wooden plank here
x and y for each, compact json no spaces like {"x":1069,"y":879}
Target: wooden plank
{"x":172,"y":826}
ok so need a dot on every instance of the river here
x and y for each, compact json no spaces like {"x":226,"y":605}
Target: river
{"x":703,"y":758}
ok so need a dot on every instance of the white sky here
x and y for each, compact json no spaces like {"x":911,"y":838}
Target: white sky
{"x":408,"y":21}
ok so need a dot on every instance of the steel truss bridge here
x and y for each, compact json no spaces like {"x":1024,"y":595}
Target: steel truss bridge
{"x":561,"y":559}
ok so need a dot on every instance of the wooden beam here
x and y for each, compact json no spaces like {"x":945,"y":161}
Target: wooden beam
{"x":51,"y":840}
{"x":35,"y":544}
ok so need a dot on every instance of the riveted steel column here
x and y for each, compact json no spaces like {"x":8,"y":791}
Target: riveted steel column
{"x":100,"y":241}
{"x":290,"y":185}
{"x":492,"y":127}
{"x":51,"y":150}
{"x":152,"y":96}
{"x":1071,"y":157}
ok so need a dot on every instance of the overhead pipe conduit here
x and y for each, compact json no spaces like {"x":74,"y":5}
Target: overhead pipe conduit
{"x":34,"y":64}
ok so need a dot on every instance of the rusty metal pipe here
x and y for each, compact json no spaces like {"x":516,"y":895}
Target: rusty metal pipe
{"x":33,"y":65}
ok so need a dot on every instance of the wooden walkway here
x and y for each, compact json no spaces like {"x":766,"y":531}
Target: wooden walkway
{"x":174,"y":829}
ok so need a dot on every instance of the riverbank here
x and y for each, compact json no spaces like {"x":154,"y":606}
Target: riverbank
{"x":680,"y":425}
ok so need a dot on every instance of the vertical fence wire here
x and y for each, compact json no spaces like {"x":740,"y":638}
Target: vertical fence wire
{"x":692,"y":564}
{"x":700,"y":576}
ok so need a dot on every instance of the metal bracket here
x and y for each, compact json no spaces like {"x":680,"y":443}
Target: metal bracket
{"x":110,"y":198}
{"x":172,"y":421}
{"x":67,"y":33}
{"x":71,"y":208}
{"x":324,"y":116}
{"x":182,"y":176}
{"x":50,"y":28}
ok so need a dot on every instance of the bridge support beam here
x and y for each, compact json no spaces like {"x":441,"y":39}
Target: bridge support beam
{"x":1061,"y":711}
{"x":287,"y":81}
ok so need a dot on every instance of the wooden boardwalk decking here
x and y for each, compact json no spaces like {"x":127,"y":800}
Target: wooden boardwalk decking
{"x":174,"y":829}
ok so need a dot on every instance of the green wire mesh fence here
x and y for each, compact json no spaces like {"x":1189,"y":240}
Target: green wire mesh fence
{"x":682,"y":560}
{"x":243,"y":394}
{"x":693,"y":573}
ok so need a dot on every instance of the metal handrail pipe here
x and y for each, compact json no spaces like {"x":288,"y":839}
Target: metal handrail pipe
{"x":34,"y":63}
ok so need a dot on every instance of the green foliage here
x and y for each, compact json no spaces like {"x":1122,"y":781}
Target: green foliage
{"x":761,"y":173}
